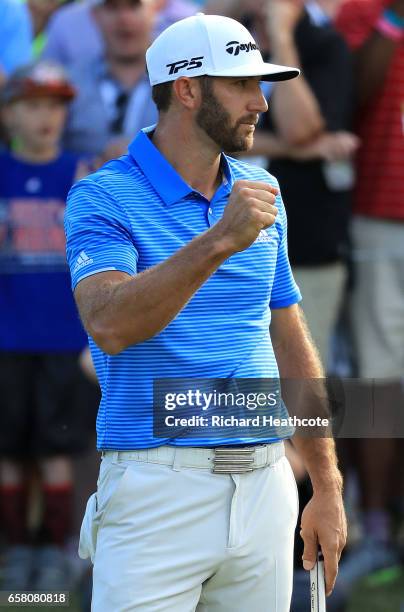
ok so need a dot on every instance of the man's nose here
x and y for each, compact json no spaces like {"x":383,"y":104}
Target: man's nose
{"x":259,"y":103}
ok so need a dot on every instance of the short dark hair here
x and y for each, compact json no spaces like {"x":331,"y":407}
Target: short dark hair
{"x":162,"y":93}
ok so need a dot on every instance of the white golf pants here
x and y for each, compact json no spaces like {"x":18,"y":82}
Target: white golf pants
{"x":167,"y":536}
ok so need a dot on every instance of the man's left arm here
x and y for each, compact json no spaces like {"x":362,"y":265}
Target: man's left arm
{"x":323,"y":520}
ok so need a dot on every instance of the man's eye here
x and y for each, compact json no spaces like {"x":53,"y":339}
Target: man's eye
{"x":242,"y":82}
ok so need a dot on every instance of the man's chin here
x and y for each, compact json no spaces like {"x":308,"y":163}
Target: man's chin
{"x":249,"y":142}
{"x":241,"y":146}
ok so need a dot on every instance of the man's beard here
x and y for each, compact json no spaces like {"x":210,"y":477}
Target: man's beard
{"x":214,"y":119}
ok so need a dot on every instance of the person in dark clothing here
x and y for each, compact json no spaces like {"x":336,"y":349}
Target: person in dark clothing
{"x":307,"y":143}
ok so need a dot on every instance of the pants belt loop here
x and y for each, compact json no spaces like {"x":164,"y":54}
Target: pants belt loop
{"x":270,"y":458}
{"x":266,"y":455}
{"x":115,"y":457}
{"x":177,"y":460}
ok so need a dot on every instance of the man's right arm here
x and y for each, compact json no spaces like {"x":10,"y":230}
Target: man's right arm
{"x":119,"y":310}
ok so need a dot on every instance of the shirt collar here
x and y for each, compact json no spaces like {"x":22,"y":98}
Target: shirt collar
{"x":170,"y":186}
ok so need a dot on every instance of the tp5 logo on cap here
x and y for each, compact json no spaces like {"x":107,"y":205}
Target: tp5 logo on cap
{"x":191,"y":64}
{"x":234,"y":47}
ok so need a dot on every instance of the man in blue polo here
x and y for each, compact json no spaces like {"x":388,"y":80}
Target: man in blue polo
{"x":179,"y":263}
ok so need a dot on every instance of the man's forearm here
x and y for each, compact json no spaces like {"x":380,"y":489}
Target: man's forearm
{"x":320,"y":460}
{"x":298,"y":361}
{"x":373,"y":59}
{"x":135,"y":309}
{"x":371,"y":64}
{"x":294,"y":107}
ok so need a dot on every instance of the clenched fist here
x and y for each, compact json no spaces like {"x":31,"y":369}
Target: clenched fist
{"x":250,"y":209}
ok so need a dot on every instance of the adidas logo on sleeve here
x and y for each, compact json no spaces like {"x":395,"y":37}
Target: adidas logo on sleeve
{"x":82,"y":260}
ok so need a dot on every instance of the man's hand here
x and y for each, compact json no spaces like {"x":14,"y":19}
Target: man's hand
{"x":282,"y":16}
{"x":251,"y":208}
{"x":324,"y":524}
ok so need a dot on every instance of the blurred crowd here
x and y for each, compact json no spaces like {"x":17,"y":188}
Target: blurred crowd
{"x":73,"y":94}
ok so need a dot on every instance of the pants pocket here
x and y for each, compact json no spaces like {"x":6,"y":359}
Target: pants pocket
{"x":294,"y":484}
{"x":88,"y":531}
{"x":97,"y":507}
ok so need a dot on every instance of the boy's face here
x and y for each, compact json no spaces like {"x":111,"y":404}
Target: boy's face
{"x":37,"y":122}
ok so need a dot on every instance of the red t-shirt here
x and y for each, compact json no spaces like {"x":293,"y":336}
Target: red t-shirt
{"x":380,"y":181}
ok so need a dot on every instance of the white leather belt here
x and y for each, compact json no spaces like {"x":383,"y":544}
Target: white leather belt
{"x":220,"y":460}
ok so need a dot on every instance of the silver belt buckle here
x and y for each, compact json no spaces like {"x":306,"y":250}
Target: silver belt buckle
{"x":233,"y":460}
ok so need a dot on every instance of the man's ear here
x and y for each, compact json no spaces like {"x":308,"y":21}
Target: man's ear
{"x":187,"y":92}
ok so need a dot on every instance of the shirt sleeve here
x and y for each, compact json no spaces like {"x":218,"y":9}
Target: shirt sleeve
{"x":98,"y":233}
{"x":15,"y":37}
{"x":285,"y":291}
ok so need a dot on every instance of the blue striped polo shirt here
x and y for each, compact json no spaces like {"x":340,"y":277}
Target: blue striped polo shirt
{"x":135,"y":212}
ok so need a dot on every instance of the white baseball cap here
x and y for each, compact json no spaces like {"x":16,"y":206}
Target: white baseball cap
{"x":209,"y":45}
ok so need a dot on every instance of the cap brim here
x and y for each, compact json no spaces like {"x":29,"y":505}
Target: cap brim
{"x":267,"y":72}
{"x":15,"y":92}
